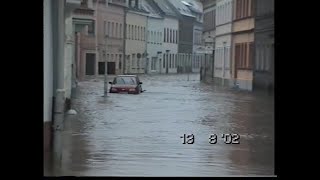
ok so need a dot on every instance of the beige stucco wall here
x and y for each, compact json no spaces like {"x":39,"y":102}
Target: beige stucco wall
{"x":243,"y":25}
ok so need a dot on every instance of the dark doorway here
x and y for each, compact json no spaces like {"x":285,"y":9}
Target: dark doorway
{"x":101,"y":68}
{"x":90,"y":63}
{"x":111,"y":68}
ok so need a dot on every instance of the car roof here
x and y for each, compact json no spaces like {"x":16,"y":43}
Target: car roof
{"x":126,"y":75}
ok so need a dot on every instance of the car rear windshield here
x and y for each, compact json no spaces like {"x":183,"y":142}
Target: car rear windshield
{"x":125,"y":80}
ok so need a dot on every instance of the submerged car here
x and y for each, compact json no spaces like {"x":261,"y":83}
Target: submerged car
{"x":126,"y":84}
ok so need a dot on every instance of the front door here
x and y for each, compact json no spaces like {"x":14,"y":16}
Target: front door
{"x":90,"y":63}
{"x":111,"y":68}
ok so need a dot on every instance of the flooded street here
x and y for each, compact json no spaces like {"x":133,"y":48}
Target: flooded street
{"x":140,"y":135}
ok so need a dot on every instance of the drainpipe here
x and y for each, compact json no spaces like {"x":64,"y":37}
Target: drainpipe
{"x":59,"y":104}
{"x":124,"y":40}
{"x":96,"y":39}
{"x":146,"y":51}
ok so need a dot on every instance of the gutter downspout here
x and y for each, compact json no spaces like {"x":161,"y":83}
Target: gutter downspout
{"x":124,"y":40}
{"x":232,"y":59}
{"x":59,"y":103}
{"x":146,"y":51}
{"x":96,"y":39}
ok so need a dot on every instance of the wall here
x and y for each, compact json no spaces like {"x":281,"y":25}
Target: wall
{"x":135,"y":46}
{"x":244,"y":77}
{"x":223,"y":58}
{"x":154,"y":44}
{"x":264,"y":39}
{"x":69,"y":45}
{"x":48,"y":62}
{"x":242,"y":25}
{"x":170,"y":23}
{"x":185,"y":35}
{"x":113,"y":44}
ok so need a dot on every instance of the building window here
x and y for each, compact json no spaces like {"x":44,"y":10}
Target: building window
{"x":168,"y":35}
{"x":91,"y":29}
{"x":120,"y":61}
{"x":164,"y":61}
{"x":132,"y":32}
{"x":116,"y":30}
{"x":244,"y":55}
{"x":138,"y":63}
{"x":143,"y":33}
{"x":135,"y":32}
{"x":104,"y":27}
{"x":112,"y":29}
{"x":109,"y":29}
{"x":164,"y":35}
{"x":120,"y":30}
{"x":133,"y":59}
{"x":128,"y":31}
{"x":148,"y":38}
{"x":153,"y":63}
{"x":101,"y":68}
{"x":111,"y":57}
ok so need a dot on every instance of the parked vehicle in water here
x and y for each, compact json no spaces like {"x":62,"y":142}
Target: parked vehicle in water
{"x":126,"y":84}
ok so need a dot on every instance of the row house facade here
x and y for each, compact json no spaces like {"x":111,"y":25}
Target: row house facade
{"x":170,"y":38}
{"x":223,"y":43}
{"x":135,"y":41}
{"x":136,"y":36}
{"x":209,"y":35}
{"x":243,"y":43}
{"x":108,"y":34}
{"x":154,"y":37}
{"x":189,"y":34}
{"x":263,"y":75}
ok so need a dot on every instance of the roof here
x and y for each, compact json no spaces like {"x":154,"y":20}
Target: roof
{"x":194,"y":5}
{"x":182,"y":7}
{"x":164,"y":7}
{"x":153,"y":12}
{"x":126,"y":76}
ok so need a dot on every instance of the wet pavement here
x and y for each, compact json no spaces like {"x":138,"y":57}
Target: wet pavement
{"x":140,"y":135}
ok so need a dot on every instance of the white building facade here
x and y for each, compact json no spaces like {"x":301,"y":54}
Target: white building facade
{"x":135,"y":42}
{"x":170,"y":45}
{"x":222,"y":58}
{"x":154,"y":38}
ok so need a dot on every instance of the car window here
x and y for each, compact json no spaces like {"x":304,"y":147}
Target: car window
{"x":125,"y":80}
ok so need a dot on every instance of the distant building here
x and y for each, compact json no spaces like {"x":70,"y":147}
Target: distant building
{"x":110,"y":31}
{"x":135,"y":42}
{"x":153,"y":36}
{"x":190,"y":17}
{"x":243,"y":43}
{"x":170,"y":38}
{"x":263,"y":76}
{"x":209,"y":35}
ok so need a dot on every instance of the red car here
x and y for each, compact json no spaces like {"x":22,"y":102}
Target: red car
{"x":126,"y":84}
